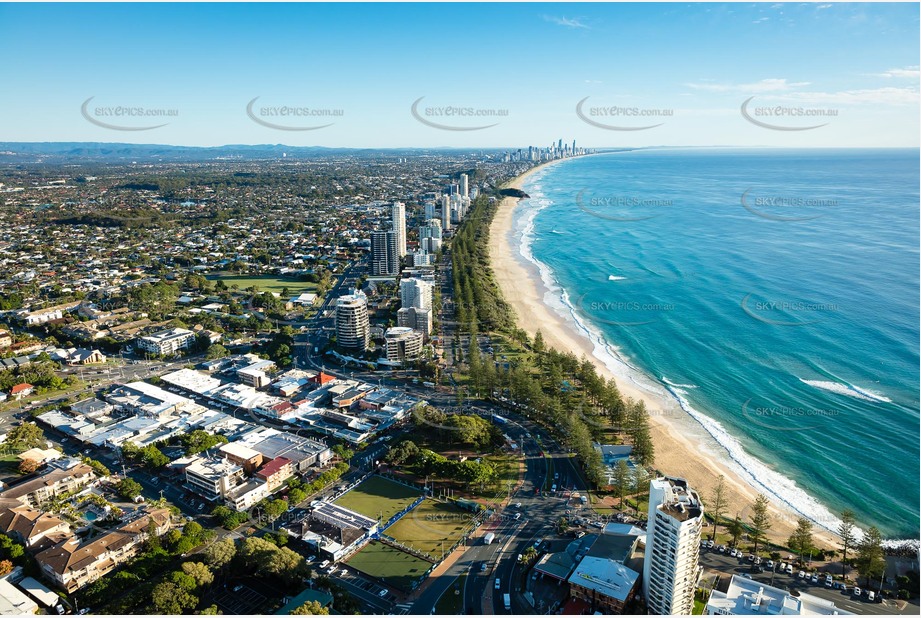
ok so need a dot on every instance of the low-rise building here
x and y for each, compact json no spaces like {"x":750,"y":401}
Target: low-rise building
{"x":276,"y":472}
{"x":746,"y":597}
{"x":167,"y":342}
{"x":72,"y":563}
{"x":606,"y":585}
{"x":29,"y":526}
{"x":54,"y":482}
{"x":213,"y":479}
{"x":13,"y":601}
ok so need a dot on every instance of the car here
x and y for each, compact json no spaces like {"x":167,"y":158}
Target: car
{"x":59,"y":609}
{"x":498,"y":583}
{"x":556,"y":475}
{"x":311,"y":558}
{"x":856,"y":591}
{"x":324,"y":564}
{"x":517,"y":516}
{"x":710,"y":544}
{"x":580,"y":534}
{"x":789,"y":569}
{"x":814,"y":579}
{"x":769,"y":564}
{"x":801,"y":574}
{"x":483,"y":567}
{"x":538,"y":542}
{"x":757,"y":559}
{"x":383,"y":593}
{"x":871,"y":596}
{"x":721,"y":549}
{"x":343,"y":572}
{"x":519,"y":557}
{"x":829,"y":582}
{"x":517,"y":505}
{"x":534,"y":576}
{"x":85,"y":610}
{"x":733,"y":552}
{"x":238,"y":588}
{"x":751,"y":557}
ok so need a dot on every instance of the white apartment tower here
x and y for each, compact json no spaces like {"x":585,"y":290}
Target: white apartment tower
{"x":671,"y":569}
{"x":446,"y":212}
{"x":398,"y":219}
{"x":464,"y":186}
{"x":415,"y":294}
{"x":353,"y":330}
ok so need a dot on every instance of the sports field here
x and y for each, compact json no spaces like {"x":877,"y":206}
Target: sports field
{"x":264,"y":283}
{"x":379,"y":497}
{"x":431,"y":527}
{"x":395,"y":567}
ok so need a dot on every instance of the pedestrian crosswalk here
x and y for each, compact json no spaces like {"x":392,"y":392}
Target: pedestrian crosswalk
{"x":403,"y":608}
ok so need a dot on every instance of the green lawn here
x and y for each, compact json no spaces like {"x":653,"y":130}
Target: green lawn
{"x":395,"y":567}
{"x":265,"y":283}
{"x":451,"y":602}
{"x":379,"y":497}
{"x":429,"y":524}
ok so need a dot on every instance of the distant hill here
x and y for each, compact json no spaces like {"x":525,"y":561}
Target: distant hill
{"x":52,"y":152}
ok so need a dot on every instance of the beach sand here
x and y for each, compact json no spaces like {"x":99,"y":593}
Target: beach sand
{"x":676,"y":453}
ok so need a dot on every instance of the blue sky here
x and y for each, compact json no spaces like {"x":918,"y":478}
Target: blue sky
{"x":692,"y":64}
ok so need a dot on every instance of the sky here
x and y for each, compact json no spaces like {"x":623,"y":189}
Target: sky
{"x":488,"y":75}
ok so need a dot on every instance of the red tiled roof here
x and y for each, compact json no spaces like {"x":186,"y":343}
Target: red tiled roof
{"x":273,"y":466}
{"x":20,"y":388}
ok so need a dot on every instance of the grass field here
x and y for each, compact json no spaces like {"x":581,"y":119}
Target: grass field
{"x":378,"y":496}
{"x":265,"y":284}
{"x":395,"y":567}
{"x":430,"y":527}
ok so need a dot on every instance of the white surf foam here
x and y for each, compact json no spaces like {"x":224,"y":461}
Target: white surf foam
{"x":615,"y":278}
{"x":848,"y":390}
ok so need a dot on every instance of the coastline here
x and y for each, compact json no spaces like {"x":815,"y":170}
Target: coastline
{"x":678,"y":452}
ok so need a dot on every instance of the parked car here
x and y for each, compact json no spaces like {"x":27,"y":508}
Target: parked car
{"x":769,"y":564}
{"x":580,"y":534}
{"x":871,"y":596}
{"x":498,"y":583}
{"x":815,"y":578}
{"x":802,"y":574}
{"x":383,"y":593}
{"x":517,"y":505}
{"x":829,"y":580}
{"x":517,"y":516}
{"x":324,"y":564}
{"x":857,"y":592}
{"x":789,"y":569}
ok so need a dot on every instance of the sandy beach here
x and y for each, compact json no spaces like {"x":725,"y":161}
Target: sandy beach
{"x":677,"y":452}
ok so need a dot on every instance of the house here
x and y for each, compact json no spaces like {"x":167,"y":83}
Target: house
{"x":84,"y":356}
{"x":21,"y":390}
{"x":6,"y":339}
{"x":72,"y":564}
{"x":40,"y":455}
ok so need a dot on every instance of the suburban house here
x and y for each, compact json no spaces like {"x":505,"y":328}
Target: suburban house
{"x":21,"y":390}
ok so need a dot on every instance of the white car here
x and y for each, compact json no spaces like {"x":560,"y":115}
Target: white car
{"x":871,"y":596}
{"x":498,"y":583}
{"x":517,"y":505}
{"x":383,"y":593}
{"x":324,"y":564}
{"x":857,"y":591}
{"x":802,"y":574}
{"x":769,"y":564}
{"x":814,"y":579}
{"x":789,"y":569}
{"x":517,"y":516}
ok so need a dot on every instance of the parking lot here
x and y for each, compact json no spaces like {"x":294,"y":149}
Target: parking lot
{"x":240,"y":599}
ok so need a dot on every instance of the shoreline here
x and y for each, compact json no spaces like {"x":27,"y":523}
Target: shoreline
{"x":678,"y":451}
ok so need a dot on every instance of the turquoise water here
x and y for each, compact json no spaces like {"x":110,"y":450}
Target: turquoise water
{"x":89,"y":516}
{"x":772,"y":295}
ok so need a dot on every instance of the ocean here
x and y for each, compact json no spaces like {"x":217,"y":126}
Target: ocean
{"x":770,"y":296}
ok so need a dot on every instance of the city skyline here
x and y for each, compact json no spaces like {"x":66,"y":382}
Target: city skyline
{"x":510,"y":74}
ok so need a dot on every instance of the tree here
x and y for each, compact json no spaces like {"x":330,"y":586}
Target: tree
{"x":736,"y":529}
{"x":216,"y":350}
{"x":286,"y":564}
{"x":170,"y":598}
{"x":622,"y":481}
{"x":310,"y":608}
{"x":801,"y":540}
{"x":198,"y":571}
{"x":129,"y":488}
{"x":220,"y":553}
{"x":28,"y":466}
{"x":847,"y":532}
{"x":718,"y":504}
{"x":26,"y":436}
{"x":760,"y":521}
{"x":871,"y":561}
{"x":5,"y":567}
